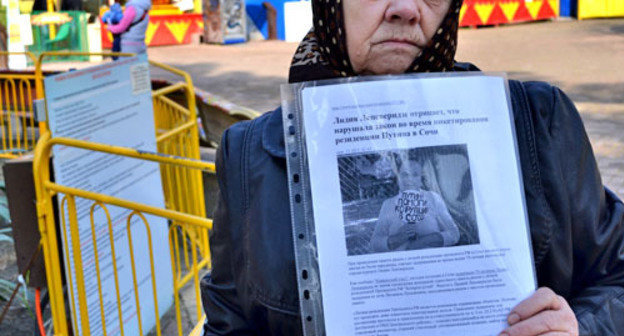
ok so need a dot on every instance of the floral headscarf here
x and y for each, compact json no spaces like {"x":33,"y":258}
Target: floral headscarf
{"x":323,"y":52}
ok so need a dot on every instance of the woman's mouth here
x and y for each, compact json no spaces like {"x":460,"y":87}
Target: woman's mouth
{"x":398,"y":43}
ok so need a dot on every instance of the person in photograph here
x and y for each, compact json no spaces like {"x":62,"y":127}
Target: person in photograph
{"x":576,"y":224}
{"x":415,"y":218}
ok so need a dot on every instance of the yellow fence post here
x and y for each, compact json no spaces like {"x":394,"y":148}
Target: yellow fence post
{"x":45,"y":215}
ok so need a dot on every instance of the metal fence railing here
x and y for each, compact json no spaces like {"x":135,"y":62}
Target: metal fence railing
{"x":18,"y":130}
{"x":181,"y":174}
{"x":183,"y":229}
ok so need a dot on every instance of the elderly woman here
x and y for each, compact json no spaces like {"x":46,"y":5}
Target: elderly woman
{"x":577,"y":225}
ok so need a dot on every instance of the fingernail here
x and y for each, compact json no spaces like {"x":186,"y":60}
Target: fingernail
{"x":503,"y":334}
{"x":513,"y":318}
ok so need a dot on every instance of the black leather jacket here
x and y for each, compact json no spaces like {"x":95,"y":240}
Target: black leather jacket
{"x":577,"y":225}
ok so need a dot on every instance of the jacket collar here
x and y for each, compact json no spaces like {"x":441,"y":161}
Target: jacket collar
{"x":273,"y":134}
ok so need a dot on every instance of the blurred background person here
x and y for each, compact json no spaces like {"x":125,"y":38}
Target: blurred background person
{"x":132,"y":26}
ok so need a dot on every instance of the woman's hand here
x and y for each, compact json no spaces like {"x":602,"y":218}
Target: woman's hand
{"x":405,"y":233}
{"x":543,"y":314}
{"x":426,"y":241}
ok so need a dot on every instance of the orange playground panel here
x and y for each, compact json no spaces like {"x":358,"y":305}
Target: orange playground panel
{"x":494,"y":12}
{"x":167,"y":26}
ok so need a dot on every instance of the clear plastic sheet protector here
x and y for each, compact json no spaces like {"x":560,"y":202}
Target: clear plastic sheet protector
{"x":407,"y":205}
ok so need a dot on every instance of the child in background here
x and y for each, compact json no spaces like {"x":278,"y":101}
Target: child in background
{"x":133,"y":26}
{"x":113,"y":16}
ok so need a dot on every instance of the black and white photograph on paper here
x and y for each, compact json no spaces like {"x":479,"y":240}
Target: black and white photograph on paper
{"x":407,"y":199}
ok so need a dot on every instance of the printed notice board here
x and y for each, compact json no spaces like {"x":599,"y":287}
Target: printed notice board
{"x":111,"y":104}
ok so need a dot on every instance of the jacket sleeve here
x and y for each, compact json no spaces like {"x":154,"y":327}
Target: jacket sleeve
{"x":123,"y":25}
{"x":599,"y":306}
{"x":224,"y":315}
{"x":588,"y":242}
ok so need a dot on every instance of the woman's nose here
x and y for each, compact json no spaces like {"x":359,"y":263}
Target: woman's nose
{"x":403,"y":11}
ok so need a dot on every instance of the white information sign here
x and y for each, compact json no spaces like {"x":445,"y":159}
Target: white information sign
{"x":26,"y":34}
{"x":418,"y":205}
{"x":112,"y":104}
{"x":297,"y":20}
{"x":15,"y":38}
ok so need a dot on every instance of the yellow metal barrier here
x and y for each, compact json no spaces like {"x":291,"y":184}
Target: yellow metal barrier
{"x":17,"y":120}
{"x":177,"y":134}
{"x":184,"y":224}
{"x":181,"y":173}
{"x":18,"y":129}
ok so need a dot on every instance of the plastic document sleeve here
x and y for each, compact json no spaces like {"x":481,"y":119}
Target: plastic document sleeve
{"x":407,"y":204}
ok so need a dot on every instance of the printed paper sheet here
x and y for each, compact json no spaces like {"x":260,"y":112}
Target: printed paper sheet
{"x":112,"y":104}
{"x":418,"y":205}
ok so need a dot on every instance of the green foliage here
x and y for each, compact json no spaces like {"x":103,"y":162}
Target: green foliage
{"x":3,"y":17}
{"x":6,"y":289}
{"x":5,"y":217}
{"x":5,"y":238}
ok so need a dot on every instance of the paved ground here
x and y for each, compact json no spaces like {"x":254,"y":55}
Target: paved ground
{"x":584,"y":58}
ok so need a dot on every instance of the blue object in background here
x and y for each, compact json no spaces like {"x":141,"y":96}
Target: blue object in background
{"x":257,"y":14}
{"x":115,"y":14}
{"x":568,"y":8}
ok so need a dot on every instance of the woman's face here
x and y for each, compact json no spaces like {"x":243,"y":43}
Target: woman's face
{"x":385,"y":36}
{"x":410,"y":176}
